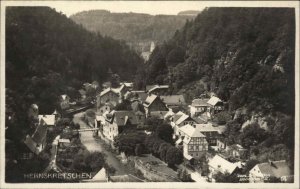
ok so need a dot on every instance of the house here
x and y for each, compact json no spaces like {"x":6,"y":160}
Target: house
{"x":118,"y":121}
{"x":263,"y":172}
{"x":219,"y":164}
{"x":110,"y":95}
{"x":212,"y":133}
{"x":154,"y":103}
{"x":64,"y":101}
{"x":236,"y":151}
{"x":194,"y":142}
{"x":122,"y":90}
{"x":216,"y":104}
{"x":180,"y":119}
{"x":173,"y":101}
{"x":37,"y":142}
{"x":108,"y":106}
{"x":159,"y":89}
{"x":221,"y":144}
{"x":49,"y":120}
{"x":199,"y":106}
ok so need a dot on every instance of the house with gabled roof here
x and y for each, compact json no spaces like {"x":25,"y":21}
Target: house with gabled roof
{"x":199,"y":106}
{"x":173,"y":101}
{"x":194,"y":142}
{"x":219,"y":164}
{"x":110,"y":95}
{"x":154,"y":103}
{"x":180,"y":119}
{"x":118,"y":121}
{"x":64,"y":101}
{"x":49,"y":120}
{"x":263,"y":172}
{"x":211,"y":132}
{"x":216,"y":104}
{"x":236,"y":151}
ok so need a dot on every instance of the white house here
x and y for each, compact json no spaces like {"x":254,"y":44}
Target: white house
{"x":264,"y":171}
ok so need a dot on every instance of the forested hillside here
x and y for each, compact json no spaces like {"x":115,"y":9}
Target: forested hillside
{"x":48,"y":54}
{"x":245,"y":56}
{"x":134,"y":28}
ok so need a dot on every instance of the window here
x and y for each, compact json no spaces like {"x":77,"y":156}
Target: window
{"x":200,"y":148}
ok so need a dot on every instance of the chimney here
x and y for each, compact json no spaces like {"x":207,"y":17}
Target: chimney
{"x":271,"y":163}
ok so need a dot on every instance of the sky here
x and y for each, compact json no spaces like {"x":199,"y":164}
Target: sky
{"x":149,"y":7}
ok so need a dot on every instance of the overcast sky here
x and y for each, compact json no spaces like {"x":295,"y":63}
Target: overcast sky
{"x":149,"y":7}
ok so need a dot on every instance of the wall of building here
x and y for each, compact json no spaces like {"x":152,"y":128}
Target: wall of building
{"x":110,"y":97}
{"x":157,"y":105}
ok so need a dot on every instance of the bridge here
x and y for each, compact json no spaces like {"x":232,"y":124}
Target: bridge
{"x":84,"y":130}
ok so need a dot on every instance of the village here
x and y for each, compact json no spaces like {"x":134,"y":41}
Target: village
{"x":147,"y":135}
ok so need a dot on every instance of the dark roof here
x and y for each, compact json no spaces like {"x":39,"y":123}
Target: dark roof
{"x":198,"y":120}
{"x":275,"y":168}
{"x":141,"y":94}
{"x":40,"y":133}
{"x":173,"y":99}
{"x":200,"y":102}
{"x":159,"y":114}
{"x":122,"y":117}
{"x":149,"y":100}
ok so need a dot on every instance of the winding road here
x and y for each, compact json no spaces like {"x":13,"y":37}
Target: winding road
{"x":96,"y":144}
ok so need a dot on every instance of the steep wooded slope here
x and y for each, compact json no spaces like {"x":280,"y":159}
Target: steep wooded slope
{"x":246,"y":56}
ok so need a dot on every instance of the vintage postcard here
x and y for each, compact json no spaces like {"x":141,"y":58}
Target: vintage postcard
{"x":149,"y":94}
